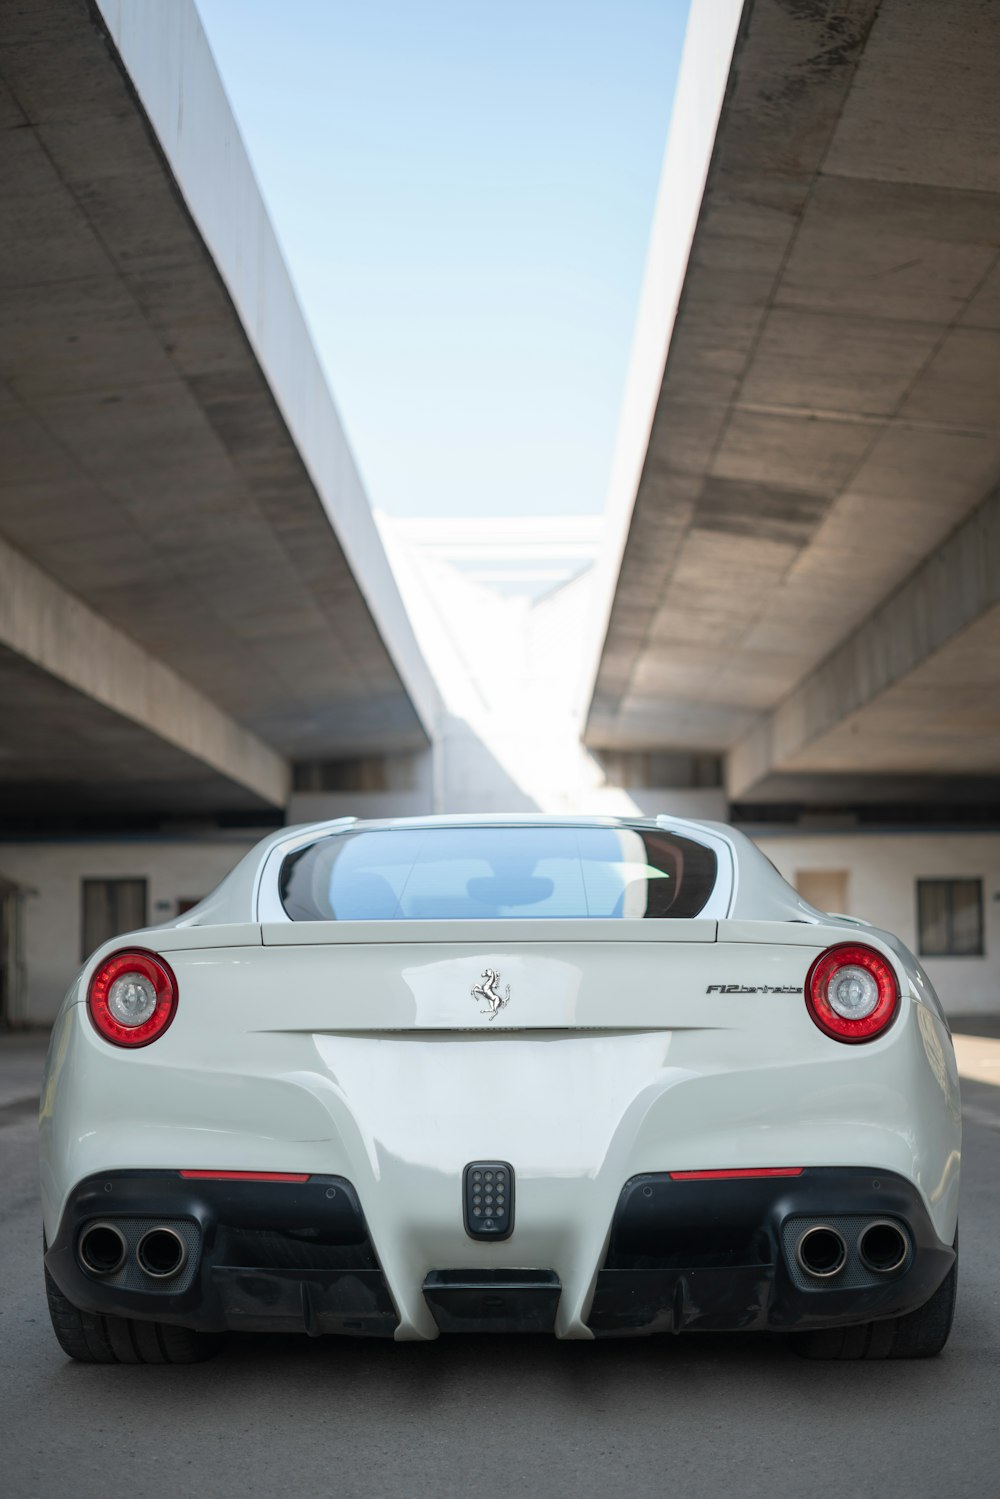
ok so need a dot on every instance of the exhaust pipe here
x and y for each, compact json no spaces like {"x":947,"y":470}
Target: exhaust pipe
{"x":102,"y":1248}
{"x":161,"y":1252}
{"x":821,"y":1251}
{"x":883,"y":1247}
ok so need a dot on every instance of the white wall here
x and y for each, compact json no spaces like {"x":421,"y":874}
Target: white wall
{"x":53,"y":872}
{"x":883,"y":871}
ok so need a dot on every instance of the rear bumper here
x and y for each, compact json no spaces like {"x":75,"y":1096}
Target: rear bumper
{"x":720,"y":1255}
{"x":263,"y":1256}
{"x":681,"y":1255}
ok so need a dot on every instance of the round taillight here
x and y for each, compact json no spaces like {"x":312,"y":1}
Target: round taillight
{"x":851,"y":992}
{"x":132,"y":998}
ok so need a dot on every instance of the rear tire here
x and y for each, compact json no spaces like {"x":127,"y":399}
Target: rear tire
{"x":93,"y":1339}
{"x":919,"y":1334}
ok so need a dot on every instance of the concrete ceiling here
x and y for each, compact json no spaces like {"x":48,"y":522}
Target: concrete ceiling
{"x":60,"y":751}
{"x":830,"y":408}
{"x":144,"y":464}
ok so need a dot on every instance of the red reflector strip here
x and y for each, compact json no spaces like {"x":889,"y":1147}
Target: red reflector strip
{"x":737,"y":1175}
{"x":247,"y":1176}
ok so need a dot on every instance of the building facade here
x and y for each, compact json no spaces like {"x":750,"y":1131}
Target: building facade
{"x":939,"y":892}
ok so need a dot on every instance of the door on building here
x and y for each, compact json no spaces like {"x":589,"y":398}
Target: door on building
{"x":826,"y":889}
{"x":13,"y":998}
{"x":108,"y":908}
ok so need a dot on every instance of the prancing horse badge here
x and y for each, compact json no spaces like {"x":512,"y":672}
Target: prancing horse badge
{"x":489,"y":990}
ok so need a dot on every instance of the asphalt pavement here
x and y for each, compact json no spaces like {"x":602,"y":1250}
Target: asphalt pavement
{"x":499,"y":1417}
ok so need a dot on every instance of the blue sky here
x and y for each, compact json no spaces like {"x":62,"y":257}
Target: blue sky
{"x":463,"y":194}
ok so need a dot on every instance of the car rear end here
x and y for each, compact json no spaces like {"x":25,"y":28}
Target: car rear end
{"x":657,"y":1127}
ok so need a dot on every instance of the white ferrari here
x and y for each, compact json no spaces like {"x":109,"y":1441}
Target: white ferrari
{"x":596,"y":1077}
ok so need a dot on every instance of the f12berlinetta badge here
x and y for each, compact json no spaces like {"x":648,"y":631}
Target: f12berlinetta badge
{"x":754,"y":989}
{"x":489,"y":990}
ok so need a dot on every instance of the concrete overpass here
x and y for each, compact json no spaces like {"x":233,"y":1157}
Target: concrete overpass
{"x":808,"y":580}
{"x":193,"y":595}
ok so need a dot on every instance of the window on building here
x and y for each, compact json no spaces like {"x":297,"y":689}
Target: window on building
{"x":675,"y":768}
{"x":110,"y":907}
{"x":370,"y":773}
{"x":12,"y":967}
{"x":950,"y":918}
{"x":826,"y":889}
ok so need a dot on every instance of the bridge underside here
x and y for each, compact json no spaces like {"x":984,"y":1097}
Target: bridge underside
{"x":799,"y":590}
{"x":146,"y":470}
{"x":65,"y":753}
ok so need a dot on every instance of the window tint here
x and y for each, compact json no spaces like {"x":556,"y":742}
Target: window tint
{"x":460,"y":873}
{"x":950,"y":918}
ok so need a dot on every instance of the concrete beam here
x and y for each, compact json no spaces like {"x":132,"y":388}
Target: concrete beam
{"x":170,"y":64}
{"x":827,"y":414}
{"x":709,"y":39}
{"x":896,"y":695}
{"x":45,"y":625}
{"x":170,"y":454}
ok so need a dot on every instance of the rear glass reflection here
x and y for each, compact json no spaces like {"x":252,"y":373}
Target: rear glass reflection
{"x":491,"y":872}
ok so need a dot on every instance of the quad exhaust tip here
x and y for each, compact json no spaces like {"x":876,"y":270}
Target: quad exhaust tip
{"x":821,"y":1251}
{"x":883,"y":1247}
{"x":102,"y":1248}
{"x":161,"y":1252}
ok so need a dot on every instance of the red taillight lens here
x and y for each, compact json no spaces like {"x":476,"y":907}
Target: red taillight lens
{"x":735,"y":1174}
{"x":851,"y":992}
{"x":132,"y":998}
{"x":246,"y":1176}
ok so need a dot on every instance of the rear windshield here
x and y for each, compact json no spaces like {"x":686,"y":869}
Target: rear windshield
{"x":470,"y":873}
